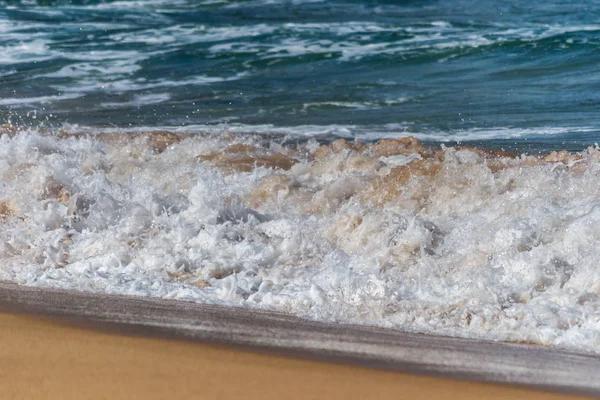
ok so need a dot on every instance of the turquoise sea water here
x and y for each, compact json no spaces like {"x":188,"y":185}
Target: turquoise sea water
{"x":514,"y":74}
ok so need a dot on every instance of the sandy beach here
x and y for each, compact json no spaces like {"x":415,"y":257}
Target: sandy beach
{"x":58,"y":344}
{"x":42,"y":358}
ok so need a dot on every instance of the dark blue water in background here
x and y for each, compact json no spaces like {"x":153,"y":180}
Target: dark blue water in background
{"x":511,"y":73}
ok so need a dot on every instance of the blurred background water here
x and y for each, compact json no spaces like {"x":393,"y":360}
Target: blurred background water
{"x":515,"y":74}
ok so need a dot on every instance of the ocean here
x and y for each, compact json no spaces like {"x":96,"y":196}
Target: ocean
{"x":418,"y":165}
{"x":514,"y":74}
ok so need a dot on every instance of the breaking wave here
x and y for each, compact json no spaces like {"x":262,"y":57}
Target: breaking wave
{"x":459,"y":241}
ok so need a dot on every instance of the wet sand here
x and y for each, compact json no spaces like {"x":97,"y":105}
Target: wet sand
{"x":42,"y":358}
{"x":67,"y":345}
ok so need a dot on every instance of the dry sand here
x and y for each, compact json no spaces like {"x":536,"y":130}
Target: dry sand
{"x":42,"y":358}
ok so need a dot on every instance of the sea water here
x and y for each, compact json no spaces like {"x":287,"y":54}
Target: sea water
{"x":191,"y":150}
{"x":514,"y":73}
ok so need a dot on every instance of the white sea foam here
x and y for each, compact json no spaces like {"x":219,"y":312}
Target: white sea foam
{"x":466,"y":245}
{"x":7,"y":101}
{"x":341,"y":104}
{"x":105,"y":68}
{"x":362,"y":105}
{"x":112,"y":84}
{"x":25,"y":51}
{"x":353,"y":44}
{"x":351,"y":49}
{"x":478,"y":133}
{"x":345,"y":28}
{"x":182,"y":34}
{"x":262,"y":3}
{"x":346,"y":41}
{"x":141,"y":100}
{"x":375,"y":132}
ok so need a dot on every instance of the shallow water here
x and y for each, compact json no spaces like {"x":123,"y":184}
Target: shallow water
{"x":511,"y":74}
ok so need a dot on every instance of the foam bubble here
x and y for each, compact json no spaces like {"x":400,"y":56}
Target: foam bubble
{"x":457,"y":241}
{"x":141,"y":100}
{"x":21,"y":101}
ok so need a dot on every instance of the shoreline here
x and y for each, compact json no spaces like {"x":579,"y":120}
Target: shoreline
{"x":44,"y":358}
{"x":281,"y":334}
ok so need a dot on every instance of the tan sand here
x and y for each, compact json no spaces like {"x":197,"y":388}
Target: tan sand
{"x":47,"y":359}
